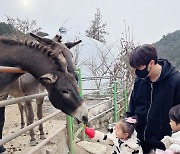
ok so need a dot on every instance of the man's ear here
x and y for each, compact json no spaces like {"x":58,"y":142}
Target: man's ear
{"x":152,"y":62}
{"x":48,"y":78}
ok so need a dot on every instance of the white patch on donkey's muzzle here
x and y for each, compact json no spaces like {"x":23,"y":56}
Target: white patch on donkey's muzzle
{"x":81,"y":113}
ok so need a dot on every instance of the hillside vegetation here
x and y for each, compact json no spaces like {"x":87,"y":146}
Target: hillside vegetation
{"x":169,"y":47}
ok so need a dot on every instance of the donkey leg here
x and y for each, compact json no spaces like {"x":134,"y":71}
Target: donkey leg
{"x":30,"y":120}
{"x":2,"y":120}
{"x":39,"y":103}
{"x":21,"y":110}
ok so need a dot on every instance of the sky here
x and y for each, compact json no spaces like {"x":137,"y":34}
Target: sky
{"x":148,"y":20}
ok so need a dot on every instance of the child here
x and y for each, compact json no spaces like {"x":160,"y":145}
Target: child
{"x":173,"y":142}
{"x":122,"y":137}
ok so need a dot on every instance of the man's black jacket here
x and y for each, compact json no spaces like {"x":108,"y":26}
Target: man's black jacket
{"x":151,"y":102}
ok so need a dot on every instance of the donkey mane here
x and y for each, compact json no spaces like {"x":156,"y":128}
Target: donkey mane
{"x":44,"y":49}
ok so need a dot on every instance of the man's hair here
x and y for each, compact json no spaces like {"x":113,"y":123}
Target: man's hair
{"x":142,"y":55}
{"x":174,"y":114}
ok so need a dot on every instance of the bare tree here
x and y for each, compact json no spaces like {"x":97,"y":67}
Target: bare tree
{"x":113,"y":61}
{"x":76,"y":51}
{"x":24,"y":26}
{"x":97,"y":30}
{"x":122,"y":67}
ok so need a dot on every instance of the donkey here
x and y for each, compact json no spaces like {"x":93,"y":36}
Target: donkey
{"x":49,"y":68}
{"x":28,"y":85}
{"x":23,"y":86}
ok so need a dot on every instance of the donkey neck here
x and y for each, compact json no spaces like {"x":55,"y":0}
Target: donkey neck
{"x":32,"y":59}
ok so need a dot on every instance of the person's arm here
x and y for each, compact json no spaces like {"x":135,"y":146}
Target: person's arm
{"x":158,"y":151}
{"x":99,"y":136}
{"x":177,"y":92}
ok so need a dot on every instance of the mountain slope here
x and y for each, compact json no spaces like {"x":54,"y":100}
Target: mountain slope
{"x":169,"y":47}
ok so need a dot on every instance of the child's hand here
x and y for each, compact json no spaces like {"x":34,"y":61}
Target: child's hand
{"x":158,"y":151}
{"x":166,"y":141}
{"x":90,"y":132}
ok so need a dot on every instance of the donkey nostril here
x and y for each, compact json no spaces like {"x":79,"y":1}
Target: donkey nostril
{"x":65,"y":92}
{"x":85,"y":119}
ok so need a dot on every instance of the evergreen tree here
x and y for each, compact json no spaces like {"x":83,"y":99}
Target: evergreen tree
{"x":5,"y":29}
{"x":20,"y":28}
{"x":98,"y":29}
{"x":42,"y":34}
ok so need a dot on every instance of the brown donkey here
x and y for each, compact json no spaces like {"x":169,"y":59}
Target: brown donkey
{"x":49,"y":68}
{"x":28,"y":85}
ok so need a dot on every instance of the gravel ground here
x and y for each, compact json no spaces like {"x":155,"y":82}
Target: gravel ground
{"x":21,"y":144}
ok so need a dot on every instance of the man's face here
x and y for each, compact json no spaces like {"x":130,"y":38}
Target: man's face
{"x":175,"y":127}
{"x":144,"y":70}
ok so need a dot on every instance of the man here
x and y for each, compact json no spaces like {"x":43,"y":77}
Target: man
{"x":156,"y":90}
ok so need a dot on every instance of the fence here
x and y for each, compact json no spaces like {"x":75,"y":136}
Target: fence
{"x":114,"y":108}
{"x":71,"y":134}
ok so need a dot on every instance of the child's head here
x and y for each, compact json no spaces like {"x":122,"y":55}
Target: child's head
{"x":174,"y":116}
{"x":125,"y":127}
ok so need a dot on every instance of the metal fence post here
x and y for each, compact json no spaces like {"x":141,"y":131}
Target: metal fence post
{"x":80,"y":93}
{"x":125,"y":99}
{"x":79,"y":82}
{"x":115,"y":101}
{"x":70,"y":134}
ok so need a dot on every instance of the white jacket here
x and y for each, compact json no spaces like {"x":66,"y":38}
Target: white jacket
{"x":172,"y":142}
{"x":129,"y":146}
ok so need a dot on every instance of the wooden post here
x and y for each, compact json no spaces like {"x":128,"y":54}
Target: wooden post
{"x":6,"y":69}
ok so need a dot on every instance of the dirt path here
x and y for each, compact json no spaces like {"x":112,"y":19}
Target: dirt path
{"x":21,"y":144}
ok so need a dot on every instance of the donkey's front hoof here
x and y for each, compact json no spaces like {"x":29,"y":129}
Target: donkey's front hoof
{"x":33,"y":143}
{"x":42,"y":137}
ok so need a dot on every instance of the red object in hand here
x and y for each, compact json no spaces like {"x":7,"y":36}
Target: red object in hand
{"x":90,"y":132}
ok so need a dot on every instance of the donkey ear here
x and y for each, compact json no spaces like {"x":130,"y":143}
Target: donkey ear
{"x":72,"y":44}
{"x":57,"y":38}
{"x":44,"y":41}
{"x":48,"y":78}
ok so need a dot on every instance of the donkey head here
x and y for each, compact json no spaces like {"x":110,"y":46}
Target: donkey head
{"x":62,"y":86}
{"x":63,"y":50}
{"x":63,"y":94}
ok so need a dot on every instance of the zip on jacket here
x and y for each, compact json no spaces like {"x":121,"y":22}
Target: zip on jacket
{"x":148,"y":111}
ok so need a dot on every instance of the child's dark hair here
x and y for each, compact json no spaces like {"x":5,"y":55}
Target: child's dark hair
{"x":174,"y":114}
{"x":129,"y":126}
